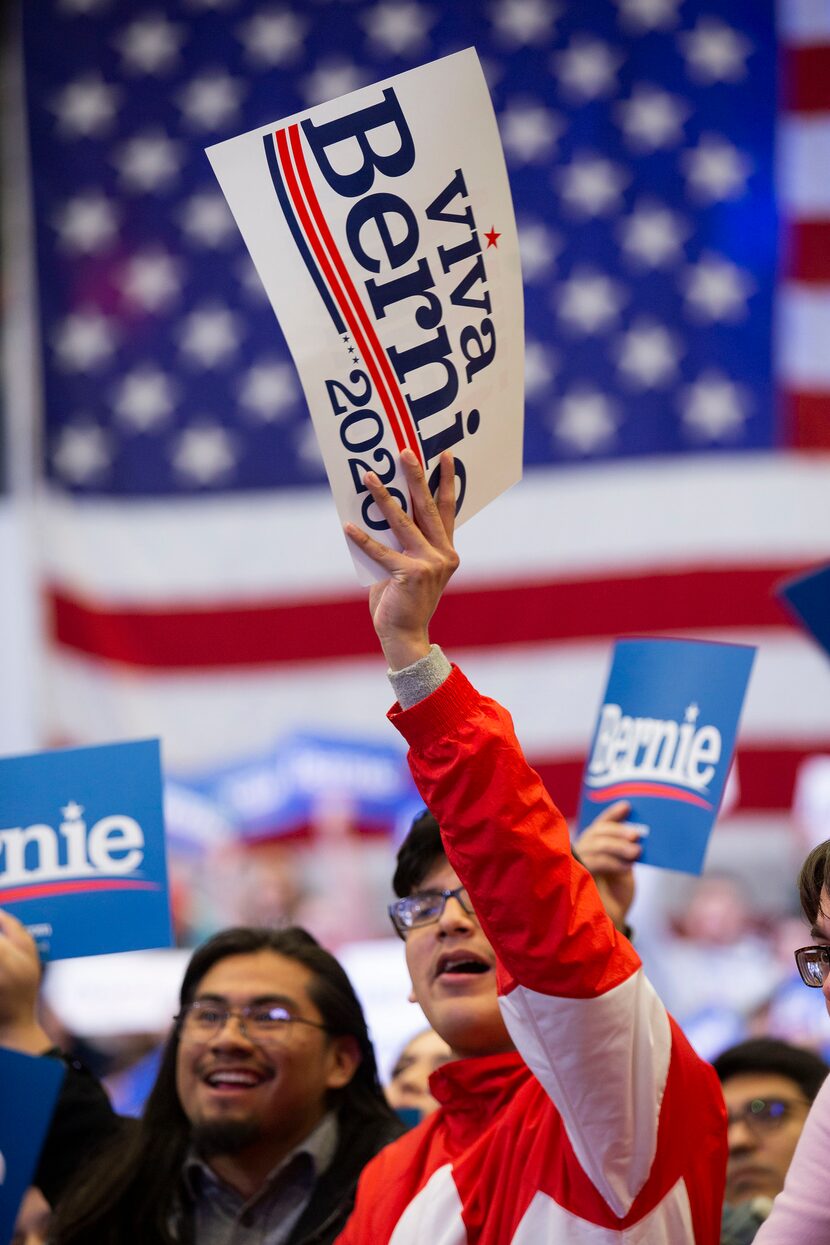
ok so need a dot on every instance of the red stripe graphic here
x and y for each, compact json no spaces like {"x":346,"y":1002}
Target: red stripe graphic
{"x":621,"y":791}
{"x":409,"y":430}
{"x":270,"y":633}
{"x":354,"y":313}
{"x":46,"y":890}
{"x":766,"y":775}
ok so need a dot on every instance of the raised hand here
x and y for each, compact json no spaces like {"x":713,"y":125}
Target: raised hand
{"x":20,"y":973}
{"x":608,"y":849}
{"x":418,"y":572}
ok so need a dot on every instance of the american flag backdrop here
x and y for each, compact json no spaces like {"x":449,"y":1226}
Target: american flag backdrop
{"x":668,"y":160}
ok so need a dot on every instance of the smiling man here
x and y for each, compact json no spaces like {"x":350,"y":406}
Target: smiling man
{"x":574,"y":1110}
{"x":265,"y":1109}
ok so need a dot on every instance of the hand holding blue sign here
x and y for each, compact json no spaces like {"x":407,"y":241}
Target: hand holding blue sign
{"x":20,"y":974}
{"x":82,"y":854}
{"x":664,"y":741}
{"x":608,"y":849}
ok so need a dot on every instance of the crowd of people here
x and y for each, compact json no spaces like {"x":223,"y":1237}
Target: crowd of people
{"x":556,"y":1098}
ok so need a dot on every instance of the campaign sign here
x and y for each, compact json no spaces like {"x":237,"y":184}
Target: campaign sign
{"x":664,"y":741}
{"x":382,"y":228}
{"x":29,"y":1087}
{"x":808,"y":598}
{"x":82,"y":860}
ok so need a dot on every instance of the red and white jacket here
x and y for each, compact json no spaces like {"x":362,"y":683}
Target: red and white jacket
{"x":606,"y":1128}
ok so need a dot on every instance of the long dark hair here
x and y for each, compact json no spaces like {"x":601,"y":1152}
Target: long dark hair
{"x":128,"y":1193}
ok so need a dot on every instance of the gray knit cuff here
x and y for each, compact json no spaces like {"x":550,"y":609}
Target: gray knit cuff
{"x":421,"y":679}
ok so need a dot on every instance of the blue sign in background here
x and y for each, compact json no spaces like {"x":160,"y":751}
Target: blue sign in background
{"x":808,"y":598}
{"x":29,"y":1087}
{"x":88,"y":911}
{"x":683,"y":681}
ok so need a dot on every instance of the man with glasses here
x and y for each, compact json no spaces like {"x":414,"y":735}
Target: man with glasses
{"x":800,"y":1213}
{"x":768,"y":1086}
{"x":265,"y":1109}
{"x":574,"y":1109}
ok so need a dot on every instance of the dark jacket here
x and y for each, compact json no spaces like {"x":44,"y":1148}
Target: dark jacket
{"x":331,"y":1203}
{"x":82,"y":1122}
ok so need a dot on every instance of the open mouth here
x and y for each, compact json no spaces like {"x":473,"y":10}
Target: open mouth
{"x":233,"y":1078}
{"x":461,"y":964}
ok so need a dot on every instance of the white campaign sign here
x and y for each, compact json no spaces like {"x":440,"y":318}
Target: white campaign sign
{"x":382,"y":228}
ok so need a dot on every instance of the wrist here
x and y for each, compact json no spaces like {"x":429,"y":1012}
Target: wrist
{"x":401,"y":651}
{"x":25,"y":1036}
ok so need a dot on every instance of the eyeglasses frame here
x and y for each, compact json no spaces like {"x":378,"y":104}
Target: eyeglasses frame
{"x":242,"y":1015}
{"x":444,"y":895}
{"x":762,"y":1122}
{"x":814,"y":985}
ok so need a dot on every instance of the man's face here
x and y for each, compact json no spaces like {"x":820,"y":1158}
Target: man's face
{"x":453,"y":972}
{"x":271,"y":1094}
{"x":760,"y":1151}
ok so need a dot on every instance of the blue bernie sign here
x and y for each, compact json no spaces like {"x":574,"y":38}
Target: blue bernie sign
{"x":28,"y":1091}
{"x":82,"y":860}
{"x":664,"y":741}
{"x":808,"y":598}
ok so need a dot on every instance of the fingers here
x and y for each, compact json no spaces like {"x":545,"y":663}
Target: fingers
{"x":429,"y":528}
{"x":14,"y":930}
{"x":623,"y":847}
{"x":611,"y":844}
{"x":446,"y":493}
{"x":388,"y":558}
{"x":618,"y":811}
{"x":435,"y":519}
{"x":435,"y":516}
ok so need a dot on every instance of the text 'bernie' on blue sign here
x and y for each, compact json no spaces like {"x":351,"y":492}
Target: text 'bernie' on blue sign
{"x":664,"y":741}
{"x":82,"y":855}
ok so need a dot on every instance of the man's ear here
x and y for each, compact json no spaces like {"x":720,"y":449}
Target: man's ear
{"x":345,"y":1059}
{"x":410,"y":998}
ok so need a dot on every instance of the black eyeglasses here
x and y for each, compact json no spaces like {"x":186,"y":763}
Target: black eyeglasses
{"x":765,"y":1114}
{"x":202,"y":1019}
{"x":813,"y":965}
{"x":425,"y":907}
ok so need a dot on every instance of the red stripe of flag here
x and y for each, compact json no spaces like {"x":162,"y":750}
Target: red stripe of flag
{"x":337,"y":259}
{"x":806,"y":78}
{"x":807,"y":419}
{"x":808,"y":246}
{"x":278,"y":633}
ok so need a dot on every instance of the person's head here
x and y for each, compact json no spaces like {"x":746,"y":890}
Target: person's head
{"x":768,"y":1086}
{"x":408,"y":1086}
{"x":269,"y":1036}
{"x":814,"y":892}
{"x":451,"y":964}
